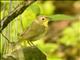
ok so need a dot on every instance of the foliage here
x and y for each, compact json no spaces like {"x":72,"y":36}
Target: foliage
{"x":70,"y":35}
{"x":59,"y":17}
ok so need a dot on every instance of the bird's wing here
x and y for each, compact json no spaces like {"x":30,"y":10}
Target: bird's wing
{"x":33,"y":31}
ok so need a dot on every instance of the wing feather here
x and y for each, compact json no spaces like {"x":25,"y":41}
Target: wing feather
{"x":33,"y":31}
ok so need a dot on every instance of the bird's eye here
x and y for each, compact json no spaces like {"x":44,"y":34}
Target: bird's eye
{"x":43,"y":19}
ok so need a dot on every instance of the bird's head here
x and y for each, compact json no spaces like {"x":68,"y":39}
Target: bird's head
{"x":43,"y":20}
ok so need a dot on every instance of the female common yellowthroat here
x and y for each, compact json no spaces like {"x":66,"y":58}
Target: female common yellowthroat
{"x":36,"y":30}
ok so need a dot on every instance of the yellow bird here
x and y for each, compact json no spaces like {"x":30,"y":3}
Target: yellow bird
{"x":36,"y":30}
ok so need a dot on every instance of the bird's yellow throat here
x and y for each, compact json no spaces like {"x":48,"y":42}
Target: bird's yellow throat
{"x":45,"y":23}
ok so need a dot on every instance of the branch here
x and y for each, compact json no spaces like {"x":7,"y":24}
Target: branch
{"x":19,"y":10}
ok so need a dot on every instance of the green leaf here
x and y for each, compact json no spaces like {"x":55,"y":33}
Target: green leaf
{"x":35,"y":8}
{"x":33,"y":53}
{"x":30,"y":14}
{"x":59,"y":17}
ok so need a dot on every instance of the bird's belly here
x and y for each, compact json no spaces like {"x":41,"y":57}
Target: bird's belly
{"x":36,"y":37}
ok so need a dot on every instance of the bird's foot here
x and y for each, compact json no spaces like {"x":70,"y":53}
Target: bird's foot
{"x":30,"y":43}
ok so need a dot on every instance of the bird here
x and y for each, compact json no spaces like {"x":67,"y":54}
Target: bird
{"x":36,"y":30}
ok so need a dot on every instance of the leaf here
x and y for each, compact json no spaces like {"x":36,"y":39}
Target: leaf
{"x":29,"y":14}
{"x":26,"y":53}
{"x":59,"y":17}
{"x":33,"y":53}
{"x":35,"y":8}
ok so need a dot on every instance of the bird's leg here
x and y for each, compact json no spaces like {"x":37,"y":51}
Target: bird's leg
{"x":30,"y":43}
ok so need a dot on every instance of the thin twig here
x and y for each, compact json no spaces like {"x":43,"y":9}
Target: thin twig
{"x":6,"y":38}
